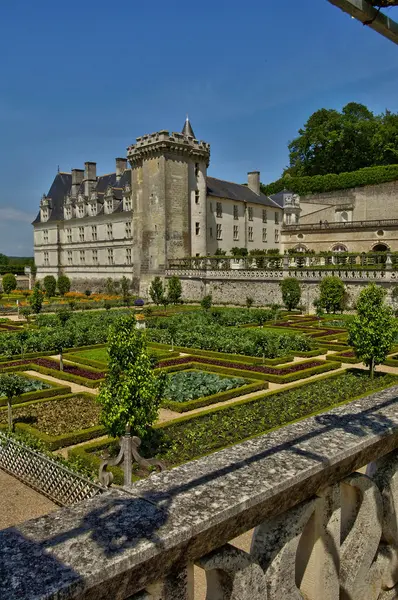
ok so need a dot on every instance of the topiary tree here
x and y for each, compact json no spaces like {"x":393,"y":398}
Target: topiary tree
{"x":125,"y":288}
{"x":36,"y":299}
{"x":206,"y":302}
{"x":11,"y":386}
{"x":131,"y":394}
{"x":331,"y":294}
{"x":174,"y":290}
{"x":291,"y":292}
{"x":156,"y":291}
{"x":372,"y":332}
{"x":63,"y":285}
{"x":9,"y":283}
{"x":50,"y":285}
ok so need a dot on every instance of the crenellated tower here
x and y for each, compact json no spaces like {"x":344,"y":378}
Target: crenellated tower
{"x":169,"y":199}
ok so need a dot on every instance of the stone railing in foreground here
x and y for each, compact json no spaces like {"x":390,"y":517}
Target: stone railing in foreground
{"x":323,"y":530}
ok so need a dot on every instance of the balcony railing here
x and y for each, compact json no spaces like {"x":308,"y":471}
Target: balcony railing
{"x":323,"y":530}
{"x":326,"y":225}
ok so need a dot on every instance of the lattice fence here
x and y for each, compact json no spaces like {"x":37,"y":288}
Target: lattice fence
{"x":60,"y":484}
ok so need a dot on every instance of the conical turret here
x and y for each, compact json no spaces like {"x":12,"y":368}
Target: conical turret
{"x":187,"y":129}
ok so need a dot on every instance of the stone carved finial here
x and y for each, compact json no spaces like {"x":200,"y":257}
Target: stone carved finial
{"x":128,"y":454}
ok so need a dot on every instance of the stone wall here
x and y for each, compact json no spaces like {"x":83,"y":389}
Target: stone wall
{"x":235,"y":291}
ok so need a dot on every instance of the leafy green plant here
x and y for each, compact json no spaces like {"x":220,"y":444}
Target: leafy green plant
{"x":291,"y":292}
{"x":50,"y":285}
{"x":131,"y":394}
{"x":174,"y":290}
{"x":36,"y":299}
{"x":11,"y":386}
{"x":206,"y":302}
{"x":189,"y":385}
{"x":156,"y":291}
{"x":249,"y":302}
{"x":373,"y":331}
{"x":332,"y":292}
{"x":63,"y":285}
{"x":9,"y":283}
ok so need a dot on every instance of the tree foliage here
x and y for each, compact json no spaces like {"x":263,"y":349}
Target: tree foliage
{"x":156,"y":291}
{"x":174,"y":290}
{"x":337,"y":142}
{"x":291,"y":292}
{"x":36,"y":299}
{"x":9,"y":283}
{"x":332,"y":292}
{"x":206,"y":302}
{"x":50,"y":285}
{"x":131,"y":394}
{"x":372,"y":332}
{"x":125,"y":289}
{"x":11,"y":386}
{"x":63,"y":284}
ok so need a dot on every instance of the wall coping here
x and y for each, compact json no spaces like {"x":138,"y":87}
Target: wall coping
{"x":114,"y":545}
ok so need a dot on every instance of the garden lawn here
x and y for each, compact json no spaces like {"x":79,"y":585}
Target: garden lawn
{"x":57,"y":416}
{"x":98,"y":354}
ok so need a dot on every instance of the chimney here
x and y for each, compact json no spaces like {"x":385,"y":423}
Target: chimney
{"x":253,"y":181}
{"x":90,"y":177}
{"x":121,"y":166}
{"x":77,"y":178}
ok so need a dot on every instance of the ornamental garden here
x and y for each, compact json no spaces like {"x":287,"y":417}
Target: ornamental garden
{"x":197,"y":379}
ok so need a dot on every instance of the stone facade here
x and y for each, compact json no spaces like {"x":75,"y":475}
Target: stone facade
{"x":360,"y":219}
{"x":132,"y":222}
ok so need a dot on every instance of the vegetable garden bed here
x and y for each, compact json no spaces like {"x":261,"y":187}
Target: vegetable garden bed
{"x":190,"y":437}
{"x":36,"y":389}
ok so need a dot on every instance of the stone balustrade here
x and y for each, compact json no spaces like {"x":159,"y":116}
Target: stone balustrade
{"x":321,"y":495}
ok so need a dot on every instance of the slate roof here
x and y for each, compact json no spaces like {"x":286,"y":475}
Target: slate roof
{"x":62,"y":184}
{"x":278,"y":198}
{"x":236,"y":191}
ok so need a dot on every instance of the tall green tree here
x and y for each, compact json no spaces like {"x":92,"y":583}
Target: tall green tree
{"x":9,"y":283}
{"x":11,"y":386}
{"x":156,"y":291}
{"x":372,"y":332}
{"x":337,"y":142}
{"x":332,"y":292}
{"x":63,"y":285}
{"x":50,"y":285}
{"x":36,"y":299}
{"x":291,"y":292}
{"x":174,"y":290}
{"x":131,"y":394}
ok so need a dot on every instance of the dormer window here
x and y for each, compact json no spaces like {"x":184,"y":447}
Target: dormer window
{"x":68,"y":212}
{"x":93,"y":209}
{"x":44,"y":214}
{"x":127,"y":204}
{"x":81,"y":210}
{"x":109,"y":206}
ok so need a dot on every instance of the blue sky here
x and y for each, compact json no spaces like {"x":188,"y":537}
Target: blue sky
{"x":81,"y":80}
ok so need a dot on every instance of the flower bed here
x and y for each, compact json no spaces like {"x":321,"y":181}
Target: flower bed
{"x":190,"y":437}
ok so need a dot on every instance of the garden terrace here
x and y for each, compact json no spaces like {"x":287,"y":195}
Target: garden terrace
{"x":297,"y":485}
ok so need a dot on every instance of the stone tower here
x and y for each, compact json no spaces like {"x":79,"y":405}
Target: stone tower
{"x":169,"y":200}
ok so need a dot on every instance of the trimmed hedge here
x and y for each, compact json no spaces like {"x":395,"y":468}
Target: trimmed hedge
{"x":86,"y":362}
{"x":351,"y":360}
{"x":328,"y":183}
{"x":90,"y":383}
{"x":324,"y":367}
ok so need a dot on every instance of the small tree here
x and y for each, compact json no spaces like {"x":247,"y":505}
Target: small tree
{"x":125,"y":287}
{"x":26,"y":312}
{"x":372,"y":332}
{"x":291,"y":292}
{"x":206,"y":302}
{"x":11,"y":386}
{"x":156,"y":291}
{"x":249,"y":302}
{"x":63,"y":315}
{"x":331,"y":294}
{"x":174,"y":290}
{"x":9,"y":283}
{"x":63,"y":285}
{"x":131,"y":394}
{"x":50,"y":285}
{"x":36,"y":299}
{"x":110,"y":286}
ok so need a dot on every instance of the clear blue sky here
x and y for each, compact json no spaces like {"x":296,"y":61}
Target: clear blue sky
{"x":81,"y":80}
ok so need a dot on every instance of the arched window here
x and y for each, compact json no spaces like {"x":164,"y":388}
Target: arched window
{"x":301,"y":248}
{"x":339,"y":248}
{"x":380,"y":248}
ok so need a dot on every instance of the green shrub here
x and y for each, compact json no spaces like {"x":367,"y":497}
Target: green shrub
{"x":331,"y":294}
{"x":9,"y":283}
{"x":50,"y":285}
{"x":291,"y":292}
{"x":63,"y":285}
{"x":206,"y":302}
